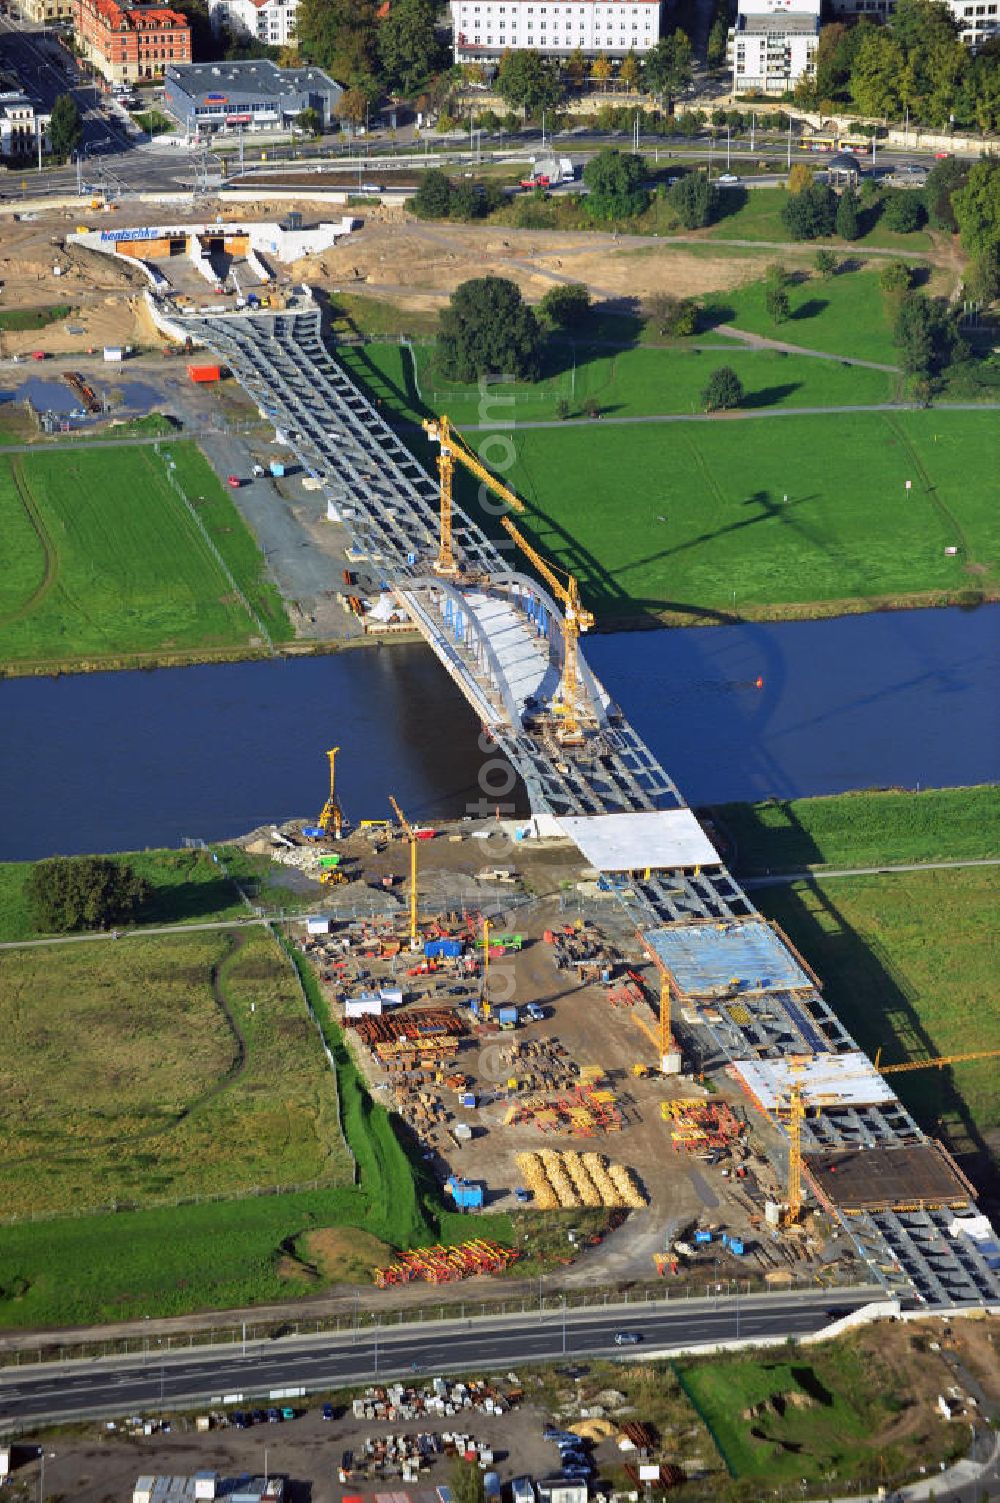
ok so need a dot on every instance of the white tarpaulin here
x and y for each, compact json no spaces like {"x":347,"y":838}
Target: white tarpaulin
{"x":665,"y":839}
{"x":826,"y":1080}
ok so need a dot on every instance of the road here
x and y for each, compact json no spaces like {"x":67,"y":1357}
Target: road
{"x":120,"y":1385}
{"x":825,"y":874}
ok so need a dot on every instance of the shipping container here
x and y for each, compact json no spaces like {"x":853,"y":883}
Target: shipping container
{"x":277,"y":469}
{"x":203,"y":373}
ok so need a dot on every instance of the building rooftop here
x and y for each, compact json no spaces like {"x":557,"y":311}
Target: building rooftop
{"x":665,"y":840}
{"x":259,"y":77}
{"x":844,"y":161}
{"x":826,"y":1080}
{"x":777,"y":25}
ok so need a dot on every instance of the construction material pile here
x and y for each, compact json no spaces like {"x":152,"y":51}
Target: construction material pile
{"x":589,"y":1109}
{"x":398,"y":1040}
{"x":570,"y":1180}
{"x":699,"y":1125}
{"x":446,"y":1265}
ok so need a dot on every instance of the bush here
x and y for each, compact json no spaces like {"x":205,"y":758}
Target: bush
{"x":895,"y":276}
{"x":724,"y":390}
{"x":826,"y":263}
{"x":848,"y":219}
{"x":811,"y":213}
{"x":562,"y":409}
{"x":672,"y":315}
{"x":84,"y":892}
{"x":695,"y":201}
{"x":432,"y":199}
{"x":776,"y":302}
{"x":904,"y":212}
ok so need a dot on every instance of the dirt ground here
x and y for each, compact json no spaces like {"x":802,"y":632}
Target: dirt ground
{"x":417,"y":264}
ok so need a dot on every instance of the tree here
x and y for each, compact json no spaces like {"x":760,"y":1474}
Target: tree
{"x":591,"y":407}
{"x":565,"y":306}
{"x":800,"y":176}
{"x":810,"y":213}
{"x":487,"y":330}
{"x":615,"y":182}
{"x":848,"y":218}
{"x":66,"y":127}
{"x":408,"y":45}
{"x":904,"y":212}
{"x":432,"y":199}
{"x":944,"y":179}
{"x":466,"y":1482}
{"x":718,"y":36}
{"x":466,"y":202}
{"x":925,"y":335}
{"x":83,"y":892}
{"x":600,"y":69}
{"x":826,"y":263}
{"x":629,"y":72}
{"x":562,"y":409}
{"x":895,"y":276}
{"x":777,"y":304}
{"x":352,"y":106}
{"x":576,"y":68}
{"x":977,"y":207}
{"x":982,"y":277}
{"x":667,"y":70}
{"x":672,"y":315}
{"x":308,"y":122}
{"x":724,"y":390}
{"x":879,"y":65}
{"x":341,"y":36}
{"x":528,"y":81}
{"x":695,"y":201}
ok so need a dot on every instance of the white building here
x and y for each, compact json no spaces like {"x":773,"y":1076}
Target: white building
{"x":976,"y":19}
{"x":20,"y":125}
{"x":485,"y":29}
{"x":773,"y":44}
{"x":270,"y":21}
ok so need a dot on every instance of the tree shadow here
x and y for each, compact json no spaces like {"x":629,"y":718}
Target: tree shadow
{"x":769,"y":396}
{"x":731,"y":201}
{"x":809,"y":308}
{"x":877,"y":1003}
{"x":712,"y":314}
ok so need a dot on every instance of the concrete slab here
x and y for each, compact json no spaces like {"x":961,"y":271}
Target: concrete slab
{"x":707,"y":960}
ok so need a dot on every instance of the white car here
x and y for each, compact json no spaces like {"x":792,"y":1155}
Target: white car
{"x":728,"y":180}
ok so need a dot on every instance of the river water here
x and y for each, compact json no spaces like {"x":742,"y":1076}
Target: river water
{"x":121,"y":761}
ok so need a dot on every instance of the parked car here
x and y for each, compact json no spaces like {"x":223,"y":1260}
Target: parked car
{"x":627,"y":1338}
{"x":728,"y":180}
{"x":234,"y":481}
{"x":328,"y":1411}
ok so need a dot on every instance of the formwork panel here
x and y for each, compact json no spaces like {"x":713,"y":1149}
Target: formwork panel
{"x":869,"y":1179}
{"x":708,"y":959}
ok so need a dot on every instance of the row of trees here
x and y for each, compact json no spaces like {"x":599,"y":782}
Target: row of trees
{"x":914,"y":63}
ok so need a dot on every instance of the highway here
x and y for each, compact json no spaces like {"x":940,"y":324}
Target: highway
{"x":114,"y":1386}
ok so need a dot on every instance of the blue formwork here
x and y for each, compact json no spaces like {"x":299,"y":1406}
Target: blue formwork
{"x":745,"y":955}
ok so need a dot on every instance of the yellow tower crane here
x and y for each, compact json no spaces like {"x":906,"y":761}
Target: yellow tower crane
{"x":332,"y":818}
{"x":576,"y":619}
{"x":440,"y":431}
{"x":411,"y":836}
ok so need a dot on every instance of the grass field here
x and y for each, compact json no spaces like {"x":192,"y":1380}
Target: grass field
{"x":19,"y":319}
{"x":624,"y":383}
{"x":180,"y":1065}
{"x":864,"y":829}
{"x":909,"y":963}
{"x":842,"y":315}
{"x":838,"y":1411}
{"x":770,"y":514}
{"x":187,"y":887}
{"x":759,"y":218}
{"x":99,"y":558}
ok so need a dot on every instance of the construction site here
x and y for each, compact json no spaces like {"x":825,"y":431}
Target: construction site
{"x":548,"y":1019}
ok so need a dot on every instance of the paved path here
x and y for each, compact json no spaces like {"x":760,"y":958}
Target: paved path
{"x":823,"y":873}
{"x":83,"y":939}
{"x":761,"y":342}
{"x":729,"y":417}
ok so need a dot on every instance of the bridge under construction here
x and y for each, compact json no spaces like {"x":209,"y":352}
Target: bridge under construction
{"x":510,"y":644}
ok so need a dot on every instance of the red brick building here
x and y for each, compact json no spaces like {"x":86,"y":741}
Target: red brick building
{"x":128,"y":43}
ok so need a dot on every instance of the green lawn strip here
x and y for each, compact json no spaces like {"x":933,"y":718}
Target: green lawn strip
{"x":908,"y":965}
{"x":764,"y":515}
{"x":863,"y":829}
{"x":811,"y":1416}
{"x":635,"y":382}
{"x":23,"y":566}
{"x":759,"y":218}
{"x":17,"y":320}
{"x":231,"y":535}
{"x":133,"y":573}
{"x":843,"y":315}
{"x":187,"y":887}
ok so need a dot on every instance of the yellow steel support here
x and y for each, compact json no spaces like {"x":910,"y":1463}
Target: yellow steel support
{"x":486,"y":968}
{"x":410,"y":834}
{"x":440,"y":431}
{"x":332,"y":818}
{"x":666,"y":1035}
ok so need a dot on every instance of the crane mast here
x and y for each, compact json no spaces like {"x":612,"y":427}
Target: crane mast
{"x":332,"y":818}
{"x":411,"y":836}
{"x":440,"y":431}
{"x":576,"y":619}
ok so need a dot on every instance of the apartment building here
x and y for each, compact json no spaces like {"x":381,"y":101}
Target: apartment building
{"x":127,"y":43}
{"x":21,"y":124}
{"x":484,"y":30}
{"x":773,"y":44}
{"x":270,"y":21}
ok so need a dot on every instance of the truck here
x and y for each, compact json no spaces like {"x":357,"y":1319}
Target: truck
{"x":491,"y":1487}
{"x":522,"y":1491}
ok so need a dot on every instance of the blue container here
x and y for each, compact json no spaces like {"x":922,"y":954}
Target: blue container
{"x":703,"y":1236}
{"x":736,"y":1247}
{"x":313,"y":832}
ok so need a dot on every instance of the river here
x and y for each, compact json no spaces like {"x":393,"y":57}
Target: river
{"x":122,"y":761}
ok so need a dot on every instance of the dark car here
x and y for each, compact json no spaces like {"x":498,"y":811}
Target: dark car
{"x":627,"y":1338}
{"x":239,"y":1420}
{"x":274,"y":1416}
{"x":258,"y":1417}
{"x":328,"y":1411}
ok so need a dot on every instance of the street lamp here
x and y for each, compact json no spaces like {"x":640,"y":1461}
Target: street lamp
{"x":41,"y":1472}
